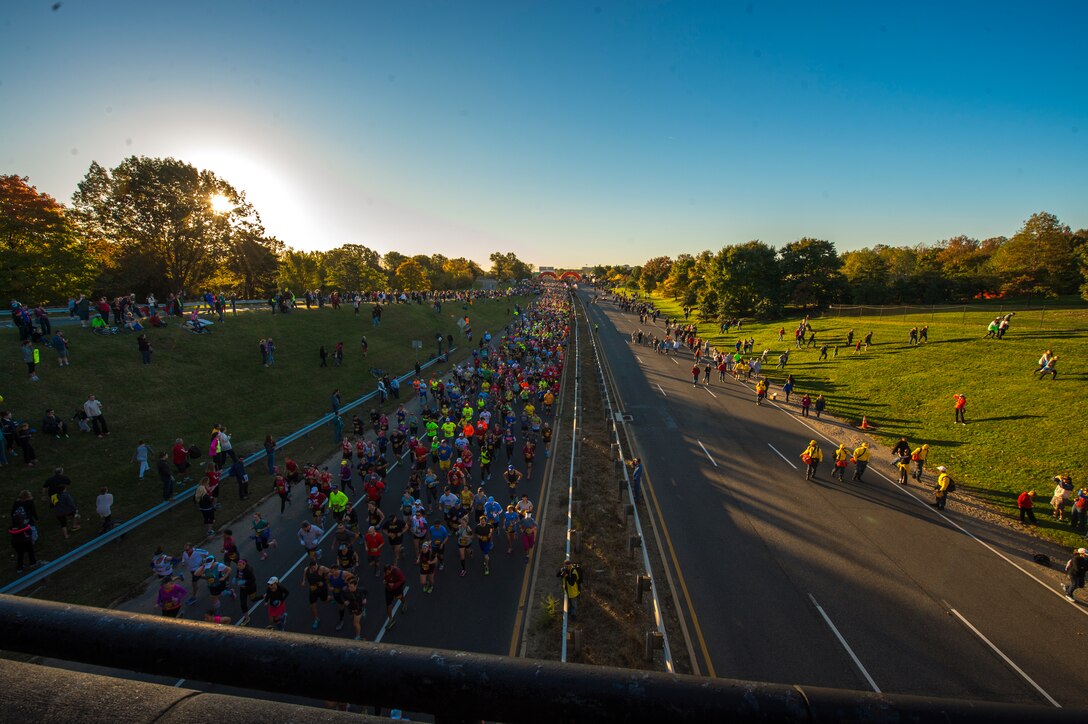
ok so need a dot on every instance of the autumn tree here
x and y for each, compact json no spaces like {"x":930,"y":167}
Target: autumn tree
{"x":654,"y":272}
{"x":1039,"y":259}
{"x":44,"y":258}
{"x":354,"y":267}
{"x":411,"y":277}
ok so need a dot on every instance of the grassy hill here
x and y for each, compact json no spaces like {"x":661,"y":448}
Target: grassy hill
{"x":1021,"y":430}
{"x":193,"y":383}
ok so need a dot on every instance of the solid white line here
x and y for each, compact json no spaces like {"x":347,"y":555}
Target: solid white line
{"x":662,"y":391}
{"x":906,"y":491}
{"x":711,"y":393}
{"x":1007,"y":660}
{"x":788,"y":461}
{"x":857,"y":661}
{"x":639,"y":359}
{"x":707,"y":453}
{"x":385,"y":626}
{"x":673,"y":359}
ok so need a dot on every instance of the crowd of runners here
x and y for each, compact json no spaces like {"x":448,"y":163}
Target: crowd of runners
{"x":469,"y":441}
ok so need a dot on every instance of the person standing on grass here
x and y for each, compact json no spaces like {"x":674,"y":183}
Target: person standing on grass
{"x":1063,"y":493}
{"x":324,"y":356}
{"x":30,"y":357}
{"x":103,"y":505}
{"x":270,"y":454}
{"x":22,"y":542}
{"x":180,"y":455}
{"x":960,"y":405}
{"x":225,"y":446}
{"x":93,"y":409}
{"x":1078,"y":513}
{"x":144,"y":345}
{"x":60,"y":345}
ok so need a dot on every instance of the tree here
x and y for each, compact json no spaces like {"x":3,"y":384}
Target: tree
{"x":461,"y":273}
{"x":354,"y":267}
{"x":867,"y":273}
{"x":811,"y":273}
{"x":680,"y":276}
{"x":159,"y":213}
{"x":43,"y":257}
{"x":392,"y":261}
{"x":745,"y":280}
{"x":411,"y":277}
{"x":1039,"y":259}
{"x":654,"y":272}
{"x":301,"y":270}
{"x":508,"y":266}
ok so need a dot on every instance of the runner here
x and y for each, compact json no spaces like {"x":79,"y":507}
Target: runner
{"x":309,"y":537}
{"x":338,"y":584}
{"x":275,"y":597}
{"x":170,"y":598}
{"x":484,"y":531}
{"x":394,"y":591}
{"x":510,"y":519}
{"x":374,"y":542}
{"x":418,"y":526}
{"x":512,"y":478}
{"x":464,"y":543}
{"x":394,"y":533}
{"x":440,"y":535}
{"x":262,"y":535}
{"x":528,"y":534}
{"x":355,"y":601}
{"x":245,"y":588}
{"x":428,"y":563}
{"x":316,"y":578}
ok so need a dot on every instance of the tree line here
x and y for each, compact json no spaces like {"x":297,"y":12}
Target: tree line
{"x":1043,"y":259}
{"x":161,"y":224}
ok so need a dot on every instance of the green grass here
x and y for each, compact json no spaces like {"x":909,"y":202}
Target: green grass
{"x":1021,"y":431}
{"x":193,"y":383}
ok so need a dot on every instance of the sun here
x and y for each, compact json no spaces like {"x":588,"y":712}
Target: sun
{"x":220,"y":203}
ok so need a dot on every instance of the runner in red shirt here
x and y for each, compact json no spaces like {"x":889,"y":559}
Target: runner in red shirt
{"x":374,"y":542}
{"x":394,"y":591}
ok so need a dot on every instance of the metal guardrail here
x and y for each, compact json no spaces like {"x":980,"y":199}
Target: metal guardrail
{"x":455,"y":685}
{"x":659,"y":617}
{"x":121,"y":529}
{"x":575,"y":416}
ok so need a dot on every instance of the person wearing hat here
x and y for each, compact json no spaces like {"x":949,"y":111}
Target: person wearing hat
{"x":275,"y":597}
{"x":842,"y":457}
{"x":1076,"y":569}
{"x":512,"y":478}
{"x":861,"y":459}
{"x":812,"y":456}
{"x":571,"y":574}
{"x":944,"y":487}
{"x":918,"y":457}
{"x":1025,"y":502}
{"x":961,"y":407}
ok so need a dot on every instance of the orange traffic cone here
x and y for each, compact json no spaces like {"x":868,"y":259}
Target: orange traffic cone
{"x":865,"y":423}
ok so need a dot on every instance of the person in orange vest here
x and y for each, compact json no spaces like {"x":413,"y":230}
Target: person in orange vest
{"x":961,"y":407}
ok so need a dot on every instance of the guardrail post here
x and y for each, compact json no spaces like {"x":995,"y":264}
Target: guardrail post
{"x":576,"y":540}
{"x":575,"y":506}
{"x":628,"y":511}
{"x":621,"y":488}
{"x":642,"y":585}
{"x":574,"y":640}
{"x":633,"y":542}
{"x":654,"y":642}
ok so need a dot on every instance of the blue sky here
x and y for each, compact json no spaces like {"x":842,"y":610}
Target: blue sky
{"x":571,"y":133}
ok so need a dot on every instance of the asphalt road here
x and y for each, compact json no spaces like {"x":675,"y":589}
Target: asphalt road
{"x":860,"y":586}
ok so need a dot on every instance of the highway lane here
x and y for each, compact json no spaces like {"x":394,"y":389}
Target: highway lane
{"x":766,"y":556}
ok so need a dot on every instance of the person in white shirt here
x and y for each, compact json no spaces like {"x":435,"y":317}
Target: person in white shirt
{"x":309,"y":537}
{"x":93,"y":409}
{"x":103,"y":505}
{"x":225,"y":444}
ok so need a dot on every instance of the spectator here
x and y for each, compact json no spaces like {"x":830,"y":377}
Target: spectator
{"x":165,"y":476}
{"x":1075,"y":569}
{"x":31,"y":357}
{"x":24,"y":435}
{"x":571,"y":574}
{"x":144,"y":346}
{"x":181,"y":456}
{"x":103,"y":505}
{"x":225,"y":446}
{"x":24,"y":509}
{"x":270,"y":454}
{"x":93,"y":410}
{"x":66,"y":513}
{"x":1025,"y":502}
{"x":22,"y":541}
{"x":53,"y":425}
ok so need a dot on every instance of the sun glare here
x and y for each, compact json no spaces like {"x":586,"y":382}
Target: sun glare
{"x":221,"y":204}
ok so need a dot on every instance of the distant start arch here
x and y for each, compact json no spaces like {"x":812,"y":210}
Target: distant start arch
{"x":566,"y":276}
